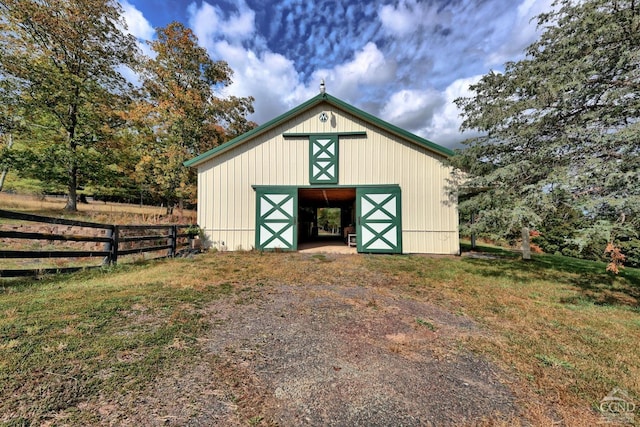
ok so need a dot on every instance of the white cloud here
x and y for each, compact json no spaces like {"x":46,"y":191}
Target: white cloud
{"x":401,"y":20}
{"x":141,"y":29}
{"x":409,"y":16}
{"x":269,"y":77}
{"x":241,"y":25}
{"x":430,"y":113}
{"x":208,"y":22}
{"x":272,"y":79}
{"x":409,"y":78}
{"x":445,"y":123}
{"x":412,"y":109}
{"x":204,"y":20}
{"x":369,"y":67}
{"x":137,"y":24}
{"x":524,"y":31}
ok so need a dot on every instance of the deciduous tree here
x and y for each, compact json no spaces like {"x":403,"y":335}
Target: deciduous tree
{"x":184,"y":111}
{"x":10,"y":123}
{"x":64,"y":58}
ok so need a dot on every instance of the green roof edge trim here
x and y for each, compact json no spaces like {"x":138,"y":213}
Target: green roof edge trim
{"x":392,"y":128}
{"x":308,"y":104}
{"x":239,"y":139}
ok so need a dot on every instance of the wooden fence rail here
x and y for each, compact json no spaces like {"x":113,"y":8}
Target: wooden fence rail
{"x":118,"y":240}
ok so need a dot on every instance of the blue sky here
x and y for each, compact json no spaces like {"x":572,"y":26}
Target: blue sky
{"x":403,"y":61}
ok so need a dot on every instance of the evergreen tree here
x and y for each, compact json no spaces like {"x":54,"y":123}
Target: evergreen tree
{"x":563,"y":121}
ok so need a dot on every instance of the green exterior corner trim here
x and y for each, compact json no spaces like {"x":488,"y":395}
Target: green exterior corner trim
{"x":318,"y":99}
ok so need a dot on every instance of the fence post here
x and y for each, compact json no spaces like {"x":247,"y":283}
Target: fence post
{"x":107,"y":247}
{"x":473,"y":234}
{"x":114,"y":244}
{"x":174,"y":240}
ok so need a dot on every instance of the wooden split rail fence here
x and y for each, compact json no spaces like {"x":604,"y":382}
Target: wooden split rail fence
{"x":110,"y":242}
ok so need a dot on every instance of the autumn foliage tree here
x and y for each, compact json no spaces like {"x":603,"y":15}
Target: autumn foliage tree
{"x":183,"y":114}
{"x":62,"y":59}
{"x":10,"y":123}
{"x":561,"y":128}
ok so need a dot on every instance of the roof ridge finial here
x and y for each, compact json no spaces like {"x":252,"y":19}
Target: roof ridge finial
{"x":322,"y":87}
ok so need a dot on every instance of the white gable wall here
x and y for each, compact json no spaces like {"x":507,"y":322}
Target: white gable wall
{"x":227,"y":201}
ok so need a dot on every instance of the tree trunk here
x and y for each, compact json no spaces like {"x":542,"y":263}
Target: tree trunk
{"x":72,"y":180}
{"x":3,"y":176}
{"x":526,"y":244}
{"x":5,"y":170}
{"x":72,"y":202}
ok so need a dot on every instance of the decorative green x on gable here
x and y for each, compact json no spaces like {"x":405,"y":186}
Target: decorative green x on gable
{"x":323,"y":159}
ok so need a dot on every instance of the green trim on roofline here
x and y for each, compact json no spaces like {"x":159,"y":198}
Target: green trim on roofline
{"x":312,"y":103}
{"x":253,"y":132}
{"x":392,"y":128}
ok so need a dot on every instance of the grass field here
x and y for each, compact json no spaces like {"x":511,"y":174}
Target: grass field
{"x":102,"y":212}
{"x":567,"y":331}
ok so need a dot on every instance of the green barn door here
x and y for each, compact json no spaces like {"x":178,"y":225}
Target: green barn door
{"x":323,"y":159}
{"x":276,"y":211}
{"x":379,"y":220}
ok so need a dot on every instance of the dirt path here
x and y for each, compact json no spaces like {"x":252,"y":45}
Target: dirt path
{"x":329,"y":352}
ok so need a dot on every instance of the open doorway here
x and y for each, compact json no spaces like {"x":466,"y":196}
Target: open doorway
{"x":329,"y":221}
{"x":325,"y":216}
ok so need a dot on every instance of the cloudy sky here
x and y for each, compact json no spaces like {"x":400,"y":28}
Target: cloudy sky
{"x":404,"y":61}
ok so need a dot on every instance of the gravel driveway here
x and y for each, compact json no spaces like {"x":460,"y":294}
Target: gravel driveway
{"x":330,"y":349}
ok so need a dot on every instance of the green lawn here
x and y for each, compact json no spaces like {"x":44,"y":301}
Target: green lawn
{"x":566,"y":329}
{"x":565,"y":326}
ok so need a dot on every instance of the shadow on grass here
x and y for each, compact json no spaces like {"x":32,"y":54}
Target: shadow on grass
{"x":491,"y":250}
{"x":19,"y":283}
{"x":594,"y":283}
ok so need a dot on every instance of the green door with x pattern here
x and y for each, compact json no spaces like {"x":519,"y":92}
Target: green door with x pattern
{"x":379,"y":220}
{"x":276,"y":217}
{"x":323,"y":159}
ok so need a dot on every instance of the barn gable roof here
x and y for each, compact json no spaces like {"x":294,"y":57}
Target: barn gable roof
{"x":318,"y":99}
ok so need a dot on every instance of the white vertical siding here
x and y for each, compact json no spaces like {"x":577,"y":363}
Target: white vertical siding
{"x":429,"y":220}
{"x":226,"y":204}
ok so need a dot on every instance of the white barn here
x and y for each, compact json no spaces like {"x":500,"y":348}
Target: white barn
{"x":263,"y":189}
